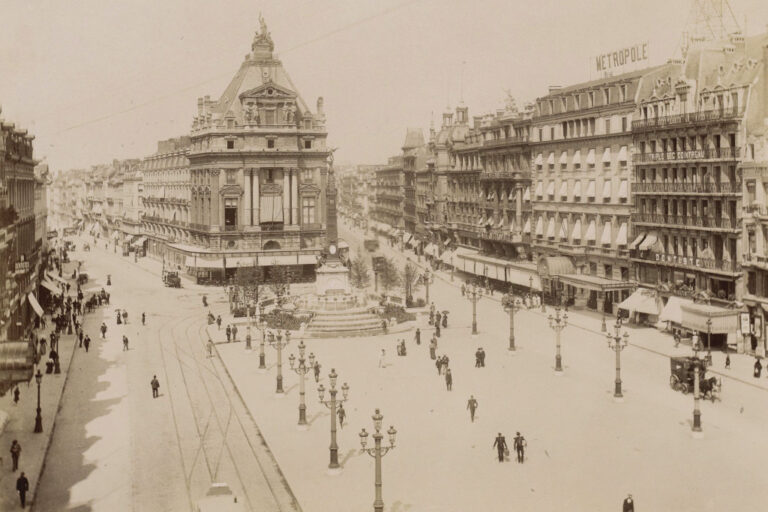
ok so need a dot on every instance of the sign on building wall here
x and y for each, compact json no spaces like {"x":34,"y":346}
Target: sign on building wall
{"x":622,"y":59}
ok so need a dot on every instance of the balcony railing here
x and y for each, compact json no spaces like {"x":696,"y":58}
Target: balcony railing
{"x":689,"y":261}
{"x":687,"y":188}
{"x":690,"y":117}
{"x":687,"y":220}
{"x":687,"y":155}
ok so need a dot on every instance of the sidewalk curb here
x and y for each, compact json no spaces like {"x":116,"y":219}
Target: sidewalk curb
{"x":284,"y":481}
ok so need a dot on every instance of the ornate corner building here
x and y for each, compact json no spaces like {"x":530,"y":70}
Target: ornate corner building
{"x":247,"y":186}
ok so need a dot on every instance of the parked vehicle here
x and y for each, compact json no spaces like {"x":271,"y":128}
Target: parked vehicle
{"x":82,"y":278}
{"x":219,"y":498}
{"x":171,"y":279}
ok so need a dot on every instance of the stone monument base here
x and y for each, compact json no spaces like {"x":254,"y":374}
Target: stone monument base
{"x":332,"y":279}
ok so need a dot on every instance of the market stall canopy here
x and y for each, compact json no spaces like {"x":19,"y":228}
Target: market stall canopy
{"x":723,"y":321}
{"x":643,"y":300}
{"x":595,"y":283}
{"x":35,"y":305}
{"x":672,"y":311}
{"x":139,"y":241}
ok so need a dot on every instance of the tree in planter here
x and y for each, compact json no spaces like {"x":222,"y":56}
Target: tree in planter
{"x":280,"y":278}
{"x":359,"y":272}
{"x":411,"y":282}
{"x":389,"y":277}
{"x":247,"y":280}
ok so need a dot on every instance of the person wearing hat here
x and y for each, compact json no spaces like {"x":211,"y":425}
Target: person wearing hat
{"x":629,"y":504}
{"x":472,"y":406}
{"x":501,"y":446}
{"x":520,"y":445}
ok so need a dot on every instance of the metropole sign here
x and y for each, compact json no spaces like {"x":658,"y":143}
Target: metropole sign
{"x":607,"y":62}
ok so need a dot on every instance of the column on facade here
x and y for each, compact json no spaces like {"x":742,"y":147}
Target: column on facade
{"x":248,"y":200}
{"x":295,"y":197}
{"x":519,"y":207}
{"x":286,"y":196}
{"x":214,"y":215}
{"x":255,"y":197}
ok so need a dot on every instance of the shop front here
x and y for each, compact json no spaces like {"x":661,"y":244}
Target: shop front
{"x":717,"y":327}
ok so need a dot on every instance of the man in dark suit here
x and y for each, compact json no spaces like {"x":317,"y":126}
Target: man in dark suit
{"x":629,"y":504}
{"x":501,"y":446}
{"x":22,"y":486}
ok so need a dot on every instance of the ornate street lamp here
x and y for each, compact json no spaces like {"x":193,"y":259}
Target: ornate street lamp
{"x":557,"y":323}
{"x":474,"y":294}
{"x":427,"y":276}
{"x":263,"y":322}
{"x":278,"y":343}
{"x":697,"y":366}
{"x":302,"y":369}
{"x":331,"y":405}
{"x":511,"y":306}
{"x":39,"y":417}
{"x":377,"y":452}
{"x":617,"y":342}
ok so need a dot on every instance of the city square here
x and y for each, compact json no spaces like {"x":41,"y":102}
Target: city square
{"x":541,"y":297}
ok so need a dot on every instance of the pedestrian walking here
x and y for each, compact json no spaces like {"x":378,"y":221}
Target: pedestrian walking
{"x":43,"y":346}
{"x":155,"y":386}
{"x":758,"y":368}
{"x":445,"y":362}
{"x":103,"y":330}
{"x":501,"y":446}
{"x":472,"y":406}
{"x":87,"y":342}
{"x":125,"y":317}
{"x":16,"y":393}
{"x":125,"y":342}
{"x":437,"y":330}
{"x":448,"y":379}
{"x":15,"y":454}
{"x":463,"y":289}
{"x":143,"y":318}
{"x":383,"y":359}
{"x":445,"y":319}
{"x":22,"y":486}
{"x":316,"y":368}
{"x":432,"y":348}
{"x":119,"y":318}
{"x":218,"y":321}
{"x":727,"y":361}
{"x":439,"y":365}
{"x":80,"y":337}
{"x":520,"y":444}
{"x":229,"y":333}
{"x":438,"y":318}
{"x":418,"y":336}
{"x":342,"y":414}
{"x":234,"y":333}
{"x":628,"y":505}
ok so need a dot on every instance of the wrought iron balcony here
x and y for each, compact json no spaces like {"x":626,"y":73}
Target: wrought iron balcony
{"x":688,"y":118}
{"x":687,"y":155}
{"x":698,"y":221}
{"x":688,"y":261}
{"x":687,"y":188}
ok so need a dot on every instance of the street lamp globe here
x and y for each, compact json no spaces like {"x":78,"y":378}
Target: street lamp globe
{"x":392,"y":433}
{"x":292,"y":361}
{"x":302,"y":349}
{"x":332,"y":377}
{"x":321,"y":391}
{"x":345,"y":390}
{"x":363,"y":438}
{"x":377,"y":419}
{"x":38,"y":377}
{"x":311,"y":359}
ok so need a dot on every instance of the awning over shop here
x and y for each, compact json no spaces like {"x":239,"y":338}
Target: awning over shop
{"x":408,"y":239}
{"x":564,"y":230}
{"x":643,"y":300}
{"x":591,"y":189}
{"x":577,"y":191}
{"x":240,"y":261}
{"x":16,"y":363}
{"x":555,"y":266}
{"x":637,"y":240}
{"x":511,"y":194}
{"x":577,"y":159}
{"x":649,"y":240}
{"x":551,"y":159}
{"x":539,"y":159}
{"x":563,"y":158}
{"x":139,"y":241}
{"x":607,"y":190}
{"x":539,"y":189}
{"x":54,"y":277}
{"x":344,"y":245}
{"x":308,"y":259}
{"x":623,"y":190}
{"x":431,"y":249}
{"x":540,"y":226}
{"x":35,"y":305}
{"x":564,"y":189}
{"x":50,"y":286}
{"x":594,"y":283}
{"x":590,"y":236}
{"x":193,"y":262}
{"x":551,"y":188}
{"x":446,"y":257}
{"x":695,"y":316}
{"x":672,"y":311}
{"x":527,"y":226}
{"x":607,"y":156}
{"x":114,"y":235}
{"x":623,"y":154}
{"x":482,"y":222}
{"x":270,"y":260}
{"x":527,"y":194}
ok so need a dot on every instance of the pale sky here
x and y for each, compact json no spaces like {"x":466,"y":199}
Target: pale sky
{"x":95,"y":80}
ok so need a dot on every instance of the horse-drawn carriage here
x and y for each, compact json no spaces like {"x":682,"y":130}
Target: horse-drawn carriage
{"x":171,"y":279}
{"x":682,"y":377}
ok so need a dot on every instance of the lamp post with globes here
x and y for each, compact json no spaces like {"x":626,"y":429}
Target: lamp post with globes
{"x":474,"y":294}
{"x":263,"y":322}
{"x":696,"y":427}
{"x":331,"y":405}
{"x":377,"y":452}
{"x":39,"y":417}
{"x":511,"y":305}
{"x":302,"y":369}
{"x":278,"y":343}
{"x":617,"y":342}
{"x":557,"y":323}
{"x":427,"y":277}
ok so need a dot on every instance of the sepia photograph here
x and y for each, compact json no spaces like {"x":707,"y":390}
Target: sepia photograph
{"x":388,"y":255}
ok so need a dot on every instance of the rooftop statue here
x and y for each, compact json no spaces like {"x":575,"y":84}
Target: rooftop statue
{"x":263,"y":36}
